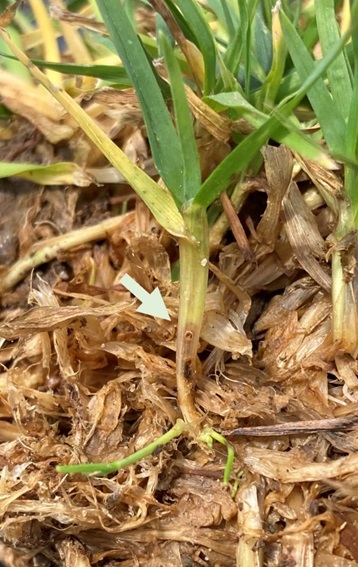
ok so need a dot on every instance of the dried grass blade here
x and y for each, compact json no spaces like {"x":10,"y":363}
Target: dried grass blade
{"x":73,"y":553}
{"x":237,"y":229}
{"x":14,"y":87}
{"x":287,"y":468}
{"x":304,"y":237}
{"x":328,"y":184}
{"x":296,"y":428}
{"x":348,"y":533}
{"x":48,"y":250}
{"x":278,"y":167}
{"x":213,"y":122}
{"x":298,"y":549}
{"x":248,"y":552}
{"x":50,"y":318}
{"x":51,"y":49}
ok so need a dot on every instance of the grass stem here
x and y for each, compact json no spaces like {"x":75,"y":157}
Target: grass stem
{"x":344,"y":282}
{"x":194,"y":260}
{"x":106,"y":468}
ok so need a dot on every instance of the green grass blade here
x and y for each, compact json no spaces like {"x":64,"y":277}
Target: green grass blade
{"x":113,"y":74}
{"x":233,"y":53}
{"x":338,"y":72}
{"x":162,"y":29}
{"x":226,"y":81}
{"x":247,"y":12}
{"x":351,"y":172}
{"x":183,"y":119}
{"x":63,"y":173}
{"x":109,"y":73}
{"x":235,"y":162}
{"x":326,"y":109}
{"x":289,"y":84}
{"x":229,"y":19}
{"x":246,"y":28}
{"x":149,"y":44}
{"x":162,"y":136}
{"x":181,"y":21}
{"x":10,"y":63}
{"x":106,"y":468}
{"x":262,"y":41}
{"x":204,"y":39}
{"x":241,"y":156}
{"x":290,"y":134}
{"x":274,"y":78}
{"x":352,"y":123}
{"x":223,"y":8}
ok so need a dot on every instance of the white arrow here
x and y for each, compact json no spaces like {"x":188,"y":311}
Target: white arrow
{"x":152,"y":303}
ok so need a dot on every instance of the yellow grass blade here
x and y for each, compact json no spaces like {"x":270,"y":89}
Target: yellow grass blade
{"x":157,"y":199}
{"x":73,"y":38}
{"x":51,"y":50}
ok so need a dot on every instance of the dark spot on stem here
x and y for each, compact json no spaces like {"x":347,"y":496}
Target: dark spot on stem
{"x":157,"y":450}
{"x":188,"y":370}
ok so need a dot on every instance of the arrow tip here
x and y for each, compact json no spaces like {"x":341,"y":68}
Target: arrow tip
{"x":154,"y":305}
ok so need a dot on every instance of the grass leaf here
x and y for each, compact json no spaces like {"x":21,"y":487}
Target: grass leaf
{"x":233,"y":53}
{"x":229,"y":18}
{"x":351,"y":172}
{"x":246,"y":33}
{"x":109,"y":73}
{"x":290,"y":135}
{"x":262,"y":41}
{"x":237,"y":161}
{"x":247,"y":13}
{"x":183,"y":119}
{"x":326,"y":109}
{"x":64,"y":173}
{"x":162,"y":135}
{"x":274,"y":78}
{"x":338,"y":73}
{"x":200,"y":30}
{"x":10,"y":63}
{"x":241,"y":156}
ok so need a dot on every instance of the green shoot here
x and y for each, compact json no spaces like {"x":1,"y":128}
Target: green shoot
{"x":107,"y":468}
{"x":209,"y":435}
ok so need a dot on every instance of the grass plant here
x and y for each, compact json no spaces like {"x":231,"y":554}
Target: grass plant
{"x":251,"y":70}
{"x":181,"y":206}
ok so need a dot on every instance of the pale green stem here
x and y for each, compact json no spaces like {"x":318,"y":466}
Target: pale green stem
{"x":207,"y":436}
{"x":106,"y":468}
{"x":344,"y":280}
{"x":194,"y":260}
